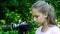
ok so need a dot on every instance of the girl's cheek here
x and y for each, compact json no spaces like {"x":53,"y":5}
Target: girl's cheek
{"x":40,"y":19}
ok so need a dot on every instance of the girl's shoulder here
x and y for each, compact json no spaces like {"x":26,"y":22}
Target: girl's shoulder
{"x":55,"y":30}
{"x":38,"y":29}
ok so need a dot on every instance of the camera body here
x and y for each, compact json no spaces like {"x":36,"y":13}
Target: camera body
{"x":23,"y":27}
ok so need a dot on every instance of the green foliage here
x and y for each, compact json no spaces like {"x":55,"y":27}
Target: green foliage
{"x":20,"y":10}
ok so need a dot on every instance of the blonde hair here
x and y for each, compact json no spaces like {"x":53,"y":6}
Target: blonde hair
{"x":44,"y":7}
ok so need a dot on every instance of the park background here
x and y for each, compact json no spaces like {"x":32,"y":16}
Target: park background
{"x":17,"y":11}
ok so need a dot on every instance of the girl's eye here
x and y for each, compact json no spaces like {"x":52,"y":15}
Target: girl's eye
{"x":36,"y":16}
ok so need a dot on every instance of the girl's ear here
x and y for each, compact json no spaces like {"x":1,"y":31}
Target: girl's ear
{"x":46,"y":15}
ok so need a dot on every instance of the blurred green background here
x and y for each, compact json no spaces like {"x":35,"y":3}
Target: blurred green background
{"x":17,"y":11}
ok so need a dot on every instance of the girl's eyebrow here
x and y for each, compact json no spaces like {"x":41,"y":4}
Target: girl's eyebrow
{"x":35,"y":15}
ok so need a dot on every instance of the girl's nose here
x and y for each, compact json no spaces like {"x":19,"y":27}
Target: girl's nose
{"x":34,"y":19}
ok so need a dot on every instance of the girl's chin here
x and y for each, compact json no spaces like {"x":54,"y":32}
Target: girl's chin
{"x":38,"y":23}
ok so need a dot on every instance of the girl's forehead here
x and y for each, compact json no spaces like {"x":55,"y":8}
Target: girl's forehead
{"x":35,"y":12}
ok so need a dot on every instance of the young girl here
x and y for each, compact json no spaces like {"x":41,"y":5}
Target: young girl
{"x":44,"y":15}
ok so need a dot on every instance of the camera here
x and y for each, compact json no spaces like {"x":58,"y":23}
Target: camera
{"x":22,"y":28}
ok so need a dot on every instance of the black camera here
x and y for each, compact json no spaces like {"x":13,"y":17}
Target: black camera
{"x":22,"y":28}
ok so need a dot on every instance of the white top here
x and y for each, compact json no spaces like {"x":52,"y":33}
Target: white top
{"x":52,"y":30}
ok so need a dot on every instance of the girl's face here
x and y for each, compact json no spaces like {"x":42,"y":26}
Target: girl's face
{"x":39,"y":17}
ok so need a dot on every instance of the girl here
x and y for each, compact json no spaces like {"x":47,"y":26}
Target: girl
{"x":44,"y":15}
